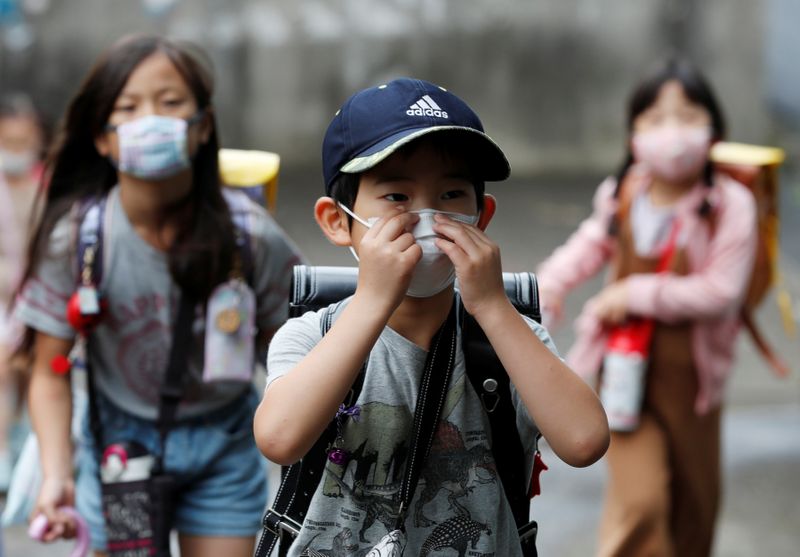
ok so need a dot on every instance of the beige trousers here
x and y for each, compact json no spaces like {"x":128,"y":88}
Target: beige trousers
{"x":663,"y":491}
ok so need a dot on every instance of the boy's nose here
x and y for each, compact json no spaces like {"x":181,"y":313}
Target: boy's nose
{"x":425,"y":202}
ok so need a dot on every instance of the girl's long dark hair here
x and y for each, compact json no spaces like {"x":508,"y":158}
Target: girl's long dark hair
{"x":202,"y":253}
{"x":695,"y":87}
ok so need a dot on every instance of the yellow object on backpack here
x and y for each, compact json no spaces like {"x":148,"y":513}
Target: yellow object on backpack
{"x":757,"y":167}
{"x":256,"y":172}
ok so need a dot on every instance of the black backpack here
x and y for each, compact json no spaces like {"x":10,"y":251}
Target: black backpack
{"x":315,"y":288}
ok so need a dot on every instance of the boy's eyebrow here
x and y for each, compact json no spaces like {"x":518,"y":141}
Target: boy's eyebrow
{"x":459,"y":175}
{"x":390,"y":178}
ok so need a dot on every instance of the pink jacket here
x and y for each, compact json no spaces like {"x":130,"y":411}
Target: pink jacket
{"x":710,"y":296}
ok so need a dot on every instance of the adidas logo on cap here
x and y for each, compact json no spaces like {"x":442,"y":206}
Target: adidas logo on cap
{"x":426,"y":107}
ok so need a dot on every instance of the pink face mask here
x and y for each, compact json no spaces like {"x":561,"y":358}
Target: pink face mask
{"x":673,"y":153}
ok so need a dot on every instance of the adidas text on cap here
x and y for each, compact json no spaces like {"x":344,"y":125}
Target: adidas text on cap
{"x":375,"y":122}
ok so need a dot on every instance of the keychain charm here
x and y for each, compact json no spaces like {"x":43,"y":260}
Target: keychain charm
{"x":85,"y":321}
{"x":60,"y":365}
{"x":336,"y":453}
{"x":228,"y":320}
{"x":230,"y":333}
{"x":88,"y":300}
{"x":538,"y":467}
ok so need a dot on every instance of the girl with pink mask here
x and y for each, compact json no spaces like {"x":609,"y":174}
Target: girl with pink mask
{"x":679,"y":240}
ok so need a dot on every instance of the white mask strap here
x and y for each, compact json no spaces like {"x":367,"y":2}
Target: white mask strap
{"x":352,"y":214}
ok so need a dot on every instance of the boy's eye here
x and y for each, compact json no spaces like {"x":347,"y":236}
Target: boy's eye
{"x":453,"y":194}
{"x":396,"y":197}
{"x":125,"y":108}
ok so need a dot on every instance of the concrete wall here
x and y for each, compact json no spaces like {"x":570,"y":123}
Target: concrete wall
{"x":549,"y":78}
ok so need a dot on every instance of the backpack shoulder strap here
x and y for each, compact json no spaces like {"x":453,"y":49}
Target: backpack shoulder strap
{"x":238,"y":205}
{"x":491,"y":382}
{"x":299,"y":481}
{"x":775,"y":362}
{"x":89,"y":256}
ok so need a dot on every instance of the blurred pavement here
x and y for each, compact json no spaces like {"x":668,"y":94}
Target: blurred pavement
{"x":760,"y":514}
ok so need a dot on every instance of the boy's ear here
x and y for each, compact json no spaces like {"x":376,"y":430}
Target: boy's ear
{"x":489,"y":208}
{"x":333,"y":221}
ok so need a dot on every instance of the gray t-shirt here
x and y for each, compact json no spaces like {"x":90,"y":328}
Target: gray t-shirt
{"x":130,"y":347}
{"x":459,"y":499}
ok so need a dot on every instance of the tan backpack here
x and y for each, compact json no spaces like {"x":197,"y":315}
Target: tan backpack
{"x":757,"y":168}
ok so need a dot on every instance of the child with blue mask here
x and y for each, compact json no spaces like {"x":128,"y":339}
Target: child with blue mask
{"x":404,"y":166}
{"x":139,"y":146}
{"x":154,"y":147}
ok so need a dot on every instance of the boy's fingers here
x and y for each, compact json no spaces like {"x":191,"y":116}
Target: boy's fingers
{"x":378,"y":225}
{"x":469,"y":240}
{"x":449,"y":227}
{"x":404,"y":241}
{"x":396,"y":225}
{"x":413,"y":251}
{"x":456,"y":254}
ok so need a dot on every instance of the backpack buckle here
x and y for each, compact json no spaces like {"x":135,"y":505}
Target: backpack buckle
{"x":275,"y":523}
{"x":490,"y":398}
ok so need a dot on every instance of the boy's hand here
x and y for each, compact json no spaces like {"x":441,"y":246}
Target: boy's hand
{"x":477,"y":262}
{"x":387,"y":256}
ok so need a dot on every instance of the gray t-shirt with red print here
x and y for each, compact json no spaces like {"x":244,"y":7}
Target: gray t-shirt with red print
{"x":130,"y":347}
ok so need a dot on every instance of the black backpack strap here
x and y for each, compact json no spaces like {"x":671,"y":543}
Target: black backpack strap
{"x":491,"y":382}
{"x":432,"y":392}
{"x":299,"y":481}
{"x":173,"y":386}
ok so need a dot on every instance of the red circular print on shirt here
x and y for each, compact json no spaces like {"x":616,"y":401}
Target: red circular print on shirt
{"x":142,"y":358}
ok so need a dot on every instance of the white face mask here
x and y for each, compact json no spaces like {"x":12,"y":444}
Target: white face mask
{"x":434,"y":272}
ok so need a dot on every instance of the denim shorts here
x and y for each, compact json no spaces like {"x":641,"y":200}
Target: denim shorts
{"x":222,"y":475}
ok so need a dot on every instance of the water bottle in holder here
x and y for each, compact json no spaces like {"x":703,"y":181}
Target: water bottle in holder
{"x":624,"y":368}
{"x":622,"y":382}
{"x":124,"y":477}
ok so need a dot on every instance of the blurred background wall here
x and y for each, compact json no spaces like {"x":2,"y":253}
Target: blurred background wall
{"x":548,"y":77}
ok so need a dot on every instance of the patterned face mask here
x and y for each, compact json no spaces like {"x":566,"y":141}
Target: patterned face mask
{"x":673,"y":153}
{"x":435,"y":271}
{"x":153,"y":147}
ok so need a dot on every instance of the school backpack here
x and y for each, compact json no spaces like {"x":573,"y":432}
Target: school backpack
{"x":757,"y":168}
{"x":254,"y":172}
{"x":316,"y":288}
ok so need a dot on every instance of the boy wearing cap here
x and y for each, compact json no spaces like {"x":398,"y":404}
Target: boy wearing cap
{"x":404,"y":167}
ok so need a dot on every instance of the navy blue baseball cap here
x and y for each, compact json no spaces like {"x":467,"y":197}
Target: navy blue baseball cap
{"x":375,"y":122}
